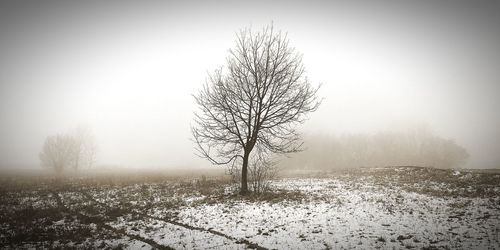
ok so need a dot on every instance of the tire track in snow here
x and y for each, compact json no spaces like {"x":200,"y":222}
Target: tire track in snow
{"x":249,"y":244}
{"x":100,"y":224}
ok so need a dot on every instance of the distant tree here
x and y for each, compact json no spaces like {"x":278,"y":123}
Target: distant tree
{"x":58,"y":152}
{"x":64,"y":151}
{"x":256,"y":103}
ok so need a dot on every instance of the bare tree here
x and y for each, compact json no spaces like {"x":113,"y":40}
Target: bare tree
{"x":257,"y":101}
{"x":73,"y":150}
{"x":58,"y":152}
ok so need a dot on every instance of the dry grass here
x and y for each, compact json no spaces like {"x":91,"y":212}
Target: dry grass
{"x":30,"y":209}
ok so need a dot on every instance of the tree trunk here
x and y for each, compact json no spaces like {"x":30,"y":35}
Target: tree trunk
{"x":244,"y":173}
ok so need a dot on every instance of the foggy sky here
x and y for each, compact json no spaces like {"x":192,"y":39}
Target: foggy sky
{"x":127,"y":70}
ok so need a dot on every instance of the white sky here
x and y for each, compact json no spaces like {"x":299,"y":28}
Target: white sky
{"x":127,"y":70}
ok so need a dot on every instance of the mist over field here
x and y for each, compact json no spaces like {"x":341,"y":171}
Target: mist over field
{"x":249,"y":124}
{"x":128,"y":70}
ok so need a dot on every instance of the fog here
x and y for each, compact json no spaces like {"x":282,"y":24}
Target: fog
{"x":128,"y":70}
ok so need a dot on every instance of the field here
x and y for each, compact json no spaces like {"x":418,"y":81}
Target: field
{"x":367,"y":208}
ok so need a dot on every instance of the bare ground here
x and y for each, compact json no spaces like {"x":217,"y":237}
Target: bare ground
{"x":393,"y":207}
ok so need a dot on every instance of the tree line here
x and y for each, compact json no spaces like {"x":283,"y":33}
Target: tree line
{"x":417,"y":147}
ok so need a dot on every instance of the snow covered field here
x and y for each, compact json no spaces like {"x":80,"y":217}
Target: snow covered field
{"x":386,"y":208}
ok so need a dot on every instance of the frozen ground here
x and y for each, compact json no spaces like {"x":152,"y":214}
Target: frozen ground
{"x":386,"y":208}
